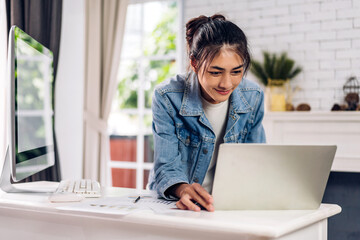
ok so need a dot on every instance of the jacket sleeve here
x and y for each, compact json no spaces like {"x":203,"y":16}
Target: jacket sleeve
{"x":168,"y":169}
{"x":256,"y":131}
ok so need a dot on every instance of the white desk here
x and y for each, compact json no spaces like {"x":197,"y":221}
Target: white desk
{"x":29,"y":216}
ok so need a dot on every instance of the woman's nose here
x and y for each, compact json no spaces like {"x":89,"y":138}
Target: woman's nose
{"x":225,"y":82}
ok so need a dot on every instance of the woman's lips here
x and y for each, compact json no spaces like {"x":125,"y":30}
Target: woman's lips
{"x":222,"y":92}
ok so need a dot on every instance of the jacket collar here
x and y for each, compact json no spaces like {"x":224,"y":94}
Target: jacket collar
{"x":191,"y":103}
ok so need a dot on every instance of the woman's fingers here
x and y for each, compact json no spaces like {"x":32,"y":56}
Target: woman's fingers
{"x":203,"y":193}
{"x":186,"y":200}
{"x":194,"y":193}
{"x":180,"y":205}
{"x":203,"y":197}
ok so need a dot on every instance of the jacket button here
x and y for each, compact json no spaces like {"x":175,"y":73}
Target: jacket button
{"x":196,"y":180}
{"x":205,"y":151}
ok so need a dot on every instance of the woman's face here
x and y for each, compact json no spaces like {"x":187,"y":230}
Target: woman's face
{"x":222,"y":76}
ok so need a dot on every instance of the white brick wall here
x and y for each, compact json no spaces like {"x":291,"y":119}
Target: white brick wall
{"x":323,"y":37}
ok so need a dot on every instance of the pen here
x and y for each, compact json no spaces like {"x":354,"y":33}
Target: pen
{"x":137,"y":199}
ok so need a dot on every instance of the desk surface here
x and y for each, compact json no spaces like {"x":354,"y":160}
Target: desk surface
{"x":262,"y":224}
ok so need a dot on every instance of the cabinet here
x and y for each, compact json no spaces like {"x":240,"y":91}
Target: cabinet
{"x":339,"y":128}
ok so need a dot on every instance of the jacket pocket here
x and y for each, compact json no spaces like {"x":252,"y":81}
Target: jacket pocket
{"x":188,"y":138}
{"x":189,"y":143}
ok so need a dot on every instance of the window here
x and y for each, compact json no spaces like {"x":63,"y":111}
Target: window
{"x":150,"y":54}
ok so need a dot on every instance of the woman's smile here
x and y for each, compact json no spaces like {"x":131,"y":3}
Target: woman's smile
{"x":223,"y":92}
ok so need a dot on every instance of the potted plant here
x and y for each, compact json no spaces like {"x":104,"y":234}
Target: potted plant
{"x":275,"y":73}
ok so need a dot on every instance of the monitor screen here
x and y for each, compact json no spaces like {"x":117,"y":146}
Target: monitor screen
{"x":33,"y":118}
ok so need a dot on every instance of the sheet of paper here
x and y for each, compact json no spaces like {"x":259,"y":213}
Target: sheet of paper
{"x":122,"y":205}
{"x":157,"y":205}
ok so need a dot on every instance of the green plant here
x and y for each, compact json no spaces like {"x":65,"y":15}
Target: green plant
{"x":274,"y":67}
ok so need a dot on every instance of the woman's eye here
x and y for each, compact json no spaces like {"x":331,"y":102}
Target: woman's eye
{"x":215,"y":73}
{"x":236,"y":72}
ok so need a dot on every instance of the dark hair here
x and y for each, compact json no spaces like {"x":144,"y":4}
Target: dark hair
{"x":205,"y":37}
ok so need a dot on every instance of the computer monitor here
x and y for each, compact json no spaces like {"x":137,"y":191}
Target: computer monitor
{"x":30,"y":109}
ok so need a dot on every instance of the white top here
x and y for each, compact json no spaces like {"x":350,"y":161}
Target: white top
{"x":217,"y":115}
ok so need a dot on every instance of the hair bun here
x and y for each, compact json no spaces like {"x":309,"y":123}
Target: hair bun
{"x":194,"y":24}
{"x":218,"y":17}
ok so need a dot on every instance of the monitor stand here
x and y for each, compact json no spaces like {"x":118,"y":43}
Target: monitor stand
{"x":8,"y":185}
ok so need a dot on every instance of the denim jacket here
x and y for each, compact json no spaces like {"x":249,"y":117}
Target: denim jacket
{"x":183,"y":137}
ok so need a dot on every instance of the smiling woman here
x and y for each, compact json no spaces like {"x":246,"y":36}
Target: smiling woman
{"x":194,"y":113}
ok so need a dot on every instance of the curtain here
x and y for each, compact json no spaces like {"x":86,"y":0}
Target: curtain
{"x":3,"y":82}
{"x":41,"y":19}
{"x":104,"y":31}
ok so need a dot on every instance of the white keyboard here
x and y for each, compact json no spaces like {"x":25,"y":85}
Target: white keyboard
{"x":85,"y":187}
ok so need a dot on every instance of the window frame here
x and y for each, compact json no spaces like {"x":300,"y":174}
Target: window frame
{"x":141,"y":111}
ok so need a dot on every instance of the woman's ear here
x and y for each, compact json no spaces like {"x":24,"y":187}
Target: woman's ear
{"x":193,"y":65}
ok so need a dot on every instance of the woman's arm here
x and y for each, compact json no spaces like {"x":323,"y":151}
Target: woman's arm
{"x":168,"y":167}
{"x":171,"y":180}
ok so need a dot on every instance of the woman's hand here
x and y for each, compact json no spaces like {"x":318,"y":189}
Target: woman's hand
{"x":190,"y":194}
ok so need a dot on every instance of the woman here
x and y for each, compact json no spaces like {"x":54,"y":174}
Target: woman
{"x":194,"y":114}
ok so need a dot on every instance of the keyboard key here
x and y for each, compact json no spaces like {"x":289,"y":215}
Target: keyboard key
{"x":88,"y":185}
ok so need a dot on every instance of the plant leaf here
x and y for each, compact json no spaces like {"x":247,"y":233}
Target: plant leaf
{"x":268,"y":64}
{"x":286,"y":69}
{"x":279,"y":65}
{"x":295,"y":72}
{"x":258,"y":71}
{"x":274,"y":67}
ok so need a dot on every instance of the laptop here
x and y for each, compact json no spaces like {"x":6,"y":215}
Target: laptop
{"x":271,"y":177}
